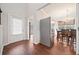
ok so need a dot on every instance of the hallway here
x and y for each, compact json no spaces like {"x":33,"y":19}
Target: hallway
{"x":26,"y":47}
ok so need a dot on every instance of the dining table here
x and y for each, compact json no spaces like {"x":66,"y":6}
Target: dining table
{"x":68,"y":35}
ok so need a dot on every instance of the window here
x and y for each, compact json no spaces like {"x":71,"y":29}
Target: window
{"x":16,"y":26}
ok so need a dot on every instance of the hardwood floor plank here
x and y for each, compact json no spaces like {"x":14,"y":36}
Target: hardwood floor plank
{"x":26,"y":47}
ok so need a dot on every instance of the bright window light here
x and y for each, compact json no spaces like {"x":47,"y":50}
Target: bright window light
{"x":16,"y":26}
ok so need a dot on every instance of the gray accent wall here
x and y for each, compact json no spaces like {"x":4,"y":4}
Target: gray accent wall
{"x":45,"y":27}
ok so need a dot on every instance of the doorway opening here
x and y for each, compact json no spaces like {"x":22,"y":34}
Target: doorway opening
{"x":30,"y":32}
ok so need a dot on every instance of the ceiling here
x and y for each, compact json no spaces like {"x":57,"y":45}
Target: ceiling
{"x":26,"y":9}
{"x":59,"y":10}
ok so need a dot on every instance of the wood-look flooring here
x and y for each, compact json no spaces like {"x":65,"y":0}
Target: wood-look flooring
{"x":26,"y":47}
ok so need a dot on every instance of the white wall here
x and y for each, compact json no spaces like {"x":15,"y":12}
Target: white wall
{"x":36,"y":29}
{"x":77,"y":25}
{"x":33,"y":16}
{"x":22,"y":11}
{"x":1,"y":37}
{"x":14,"y":38}
{"x":17,"y":10}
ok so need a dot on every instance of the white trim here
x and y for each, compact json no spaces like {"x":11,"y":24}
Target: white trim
{"x":1,"y":45}
{"x":14,"y":42}
{"x":1,"y":50}
{"x":44,"y":6}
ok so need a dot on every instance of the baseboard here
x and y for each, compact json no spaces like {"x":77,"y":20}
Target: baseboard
{"x":36,"y":42}
{"x":13,"y":42}
{"x":1,"y":50}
